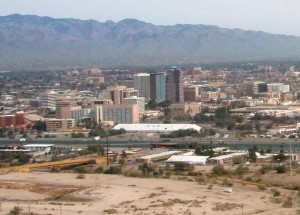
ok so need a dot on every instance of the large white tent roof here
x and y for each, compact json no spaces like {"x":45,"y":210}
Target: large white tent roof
{"x":156,"y":127}
{"x":188,"y":159}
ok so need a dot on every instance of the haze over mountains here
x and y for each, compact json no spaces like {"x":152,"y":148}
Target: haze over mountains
{"x":38,"y":42}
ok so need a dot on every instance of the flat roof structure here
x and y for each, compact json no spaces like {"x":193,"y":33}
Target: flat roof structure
{"x":156,"y":127}
{"x":188,"y":159}
{"x":159,"y":156}
{"x":227,"y":158}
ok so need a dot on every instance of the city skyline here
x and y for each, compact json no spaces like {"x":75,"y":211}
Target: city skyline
{"x":272,"y":16}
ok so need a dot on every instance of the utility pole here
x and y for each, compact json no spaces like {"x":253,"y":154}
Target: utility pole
{"x":107,"y":155}
{"x":290,"y":159}
{"x":242,"y":208}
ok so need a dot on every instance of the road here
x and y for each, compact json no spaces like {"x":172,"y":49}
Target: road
{"x":244,"y":143}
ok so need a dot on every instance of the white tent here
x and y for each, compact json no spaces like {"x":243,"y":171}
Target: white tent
{"x":156,"y":127}
{"x":188,"y":159}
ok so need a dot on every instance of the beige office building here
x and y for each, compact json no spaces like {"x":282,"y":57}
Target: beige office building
{"x":59,"y":124}
{"x":186,"y":109}
{"x":121,"y":113}
{"x":117,"y":93}
{"x":63,"y":102}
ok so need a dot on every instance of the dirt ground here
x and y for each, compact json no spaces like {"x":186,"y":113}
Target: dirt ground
{"x":63,"y":193}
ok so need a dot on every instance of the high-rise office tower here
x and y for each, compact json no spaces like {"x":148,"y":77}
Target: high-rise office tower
{"x":174,"y":85}
{"x":141,"y":82}
{"x":61,"y":106}
{"x":158,"y":86}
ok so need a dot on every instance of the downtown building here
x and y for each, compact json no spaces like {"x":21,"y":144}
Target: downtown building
{"x":174,"y":85}
{"x":141,"y":82}
{"x":48,"y":100}
{"x":158,"y":86}
{"x":118,"y":93}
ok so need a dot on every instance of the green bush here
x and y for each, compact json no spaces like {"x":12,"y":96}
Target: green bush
{"x":99,"y":169}
{"x":113,"y":170}
{"x":219,"y":170}
{"x":184,"y":167}
{"x":80,"y":169}
{"x":281,"y":169}
{"x":240,"y":170}
{"x":15,"y":211}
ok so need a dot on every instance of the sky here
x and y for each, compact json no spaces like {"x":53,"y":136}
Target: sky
{"x":273,"y":16}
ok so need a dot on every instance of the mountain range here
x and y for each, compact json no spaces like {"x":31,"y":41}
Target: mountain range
{"x":29,"y":41}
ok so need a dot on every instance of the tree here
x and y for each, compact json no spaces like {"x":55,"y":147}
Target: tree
{"x":152,"y":104}
{"x":124,"y":154}
{"x":257,"y":126}
{"x":165,"y":104}
{"x":146,"y":168}
{"x":280,"y":157}
{"x":252,"y":153}
{"x":40,"y":126}
{"x":24,"y":158}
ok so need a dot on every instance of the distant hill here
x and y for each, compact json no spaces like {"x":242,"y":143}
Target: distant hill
{"x":33,"y":41}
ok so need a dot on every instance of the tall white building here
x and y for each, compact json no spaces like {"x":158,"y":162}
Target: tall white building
{"x":141,"y":82}
{"x":278,"y":88}
{"x":48,"y":100}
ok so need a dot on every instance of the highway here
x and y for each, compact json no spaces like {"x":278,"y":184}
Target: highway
{"x":243,"y":143}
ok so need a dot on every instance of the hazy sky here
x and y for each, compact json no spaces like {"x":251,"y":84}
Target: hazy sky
{"x":274,"y":16}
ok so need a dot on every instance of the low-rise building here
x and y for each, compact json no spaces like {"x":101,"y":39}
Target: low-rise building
{"x":187,"y":109}
{"x":227,"y":159}
{"x":59,"y":124}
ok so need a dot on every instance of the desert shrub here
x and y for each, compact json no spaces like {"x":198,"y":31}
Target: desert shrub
{"x":111,"y":211}
{"x":122,"y":161}
{"x":249,"y":178}
{"x":200,"y":179}
{"x":281,"y":169}
{"x":92,"y":161}
{"x":288,"y":203}
{"x":265,"y":169}
{"x":184,"y":167}
{"x":134,"y":174}
{"x":113,"y":170}
{"x":80,"y":176}
{"x":168,"y":174}
{"x":191,"y":173}
{"x":240,"y":170}
{"x":219,"y":170}
{"x":227,"y":183}
{"x":15,"y":211}
{"x":276,"y":193}
{"x":80,"y":169}
{"x":99,"y":169}
{"x":261,"y":187}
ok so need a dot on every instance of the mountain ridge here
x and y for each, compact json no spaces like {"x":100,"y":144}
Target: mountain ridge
{"x":32,"y":40}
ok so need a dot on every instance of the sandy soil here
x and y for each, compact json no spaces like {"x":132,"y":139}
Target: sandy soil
{"x":62,"y":193}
